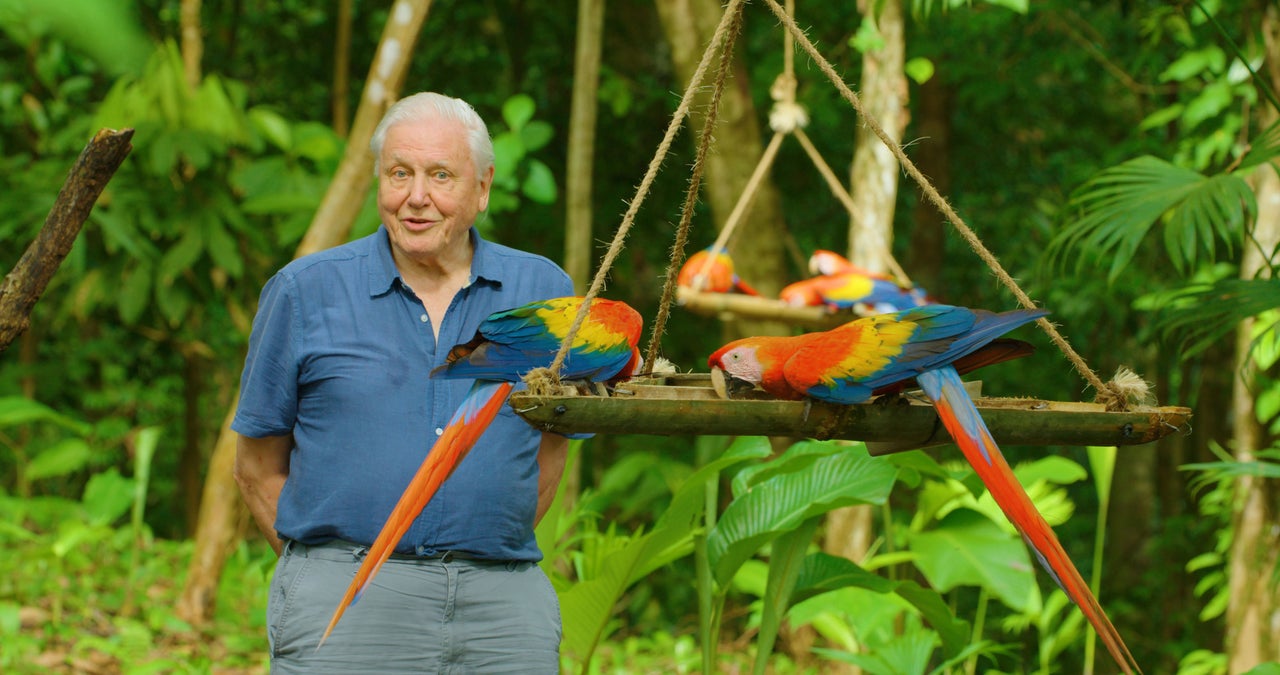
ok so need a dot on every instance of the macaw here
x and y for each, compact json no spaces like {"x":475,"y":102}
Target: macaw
{"x":823,"y":262}
{"x":507,"y":345}
{"x":851,"y":363}
{"x":718,"y":278}
{"x":850,"y":288}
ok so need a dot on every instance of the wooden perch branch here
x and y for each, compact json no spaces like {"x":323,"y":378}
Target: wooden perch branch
{"x":24,"y":285}
{"x":733,"y":305}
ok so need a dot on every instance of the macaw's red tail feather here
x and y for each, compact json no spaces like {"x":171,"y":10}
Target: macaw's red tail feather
{"x":470,"y":421}
{"x":961,"y":418}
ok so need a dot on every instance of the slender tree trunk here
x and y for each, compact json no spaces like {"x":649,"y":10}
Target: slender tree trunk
{"x":579,"y":170}
{"x":1253,"y":610}
{"x":221,"y":509}
{"x":342,"y":70}
{"x":192,"y":42}
{"x":874,"y":173}
{"x":933,"y":156}
{"x":192,"y":459}
{"x":582,"y":143}
{"x":758,"y":245}
{"x":874,"y":188}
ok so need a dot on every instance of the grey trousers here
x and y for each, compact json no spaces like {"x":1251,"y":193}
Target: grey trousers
{"x":418,"y":615}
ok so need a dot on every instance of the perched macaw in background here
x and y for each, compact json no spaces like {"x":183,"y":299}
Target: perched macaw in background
{"x":840,"y":284}
{"x":850,"y":289}
{"x":507,"y":345}
{"x":823,"y":262}
{"x":853,"y":362}
{"x":719,"y":277}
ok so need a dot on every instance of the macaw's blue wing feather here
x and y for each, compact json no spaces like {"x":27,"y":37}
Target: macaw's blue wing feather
{"x":946,"y":333}
{"x":511,"y":343}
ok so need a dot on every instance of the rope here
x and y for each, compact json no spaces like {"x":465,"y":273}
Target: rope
{"x":691,"y":195}
{"x":748,"y":195}
{"x":628,"y":219}
{"x":1106,"y":394}
{"x":837,"y":188}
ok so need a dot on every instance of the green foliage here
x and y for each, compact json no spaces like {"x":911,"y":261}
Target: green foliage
{"x":809,"y":479}
{"x":612,"y":562}
{"x":518,"y":172}
{"x":968,"y":549}
{"x":105,"y":31}
{"x":1122,"y":204}
{"x":63,"y":607}
{"x":1211,"y":306}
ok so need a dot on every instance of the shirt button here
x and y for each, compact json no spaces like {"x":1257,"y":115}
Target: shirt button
{"x":423,"y":318}
{"x":439,"y":431}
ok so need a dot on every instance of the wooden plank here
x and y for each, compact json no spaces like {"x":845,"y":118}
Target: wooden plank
{"x":686,"y":407}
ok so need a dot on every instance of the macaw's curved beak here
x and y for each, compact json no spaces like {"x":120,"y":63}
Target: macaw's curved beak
{"x":728,"y":386}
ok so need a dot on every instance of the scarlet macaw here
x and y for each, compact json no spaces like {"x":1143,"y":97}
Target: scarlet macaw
{"x":507,"y":345}
{"x":718,"y":278}
{"x":823,"y":263}
{"x":851,"y":288}
{"x":853,"y":362}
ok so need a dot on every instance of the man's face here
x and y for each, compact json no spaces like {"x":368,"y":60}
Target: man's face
{"x":428,"y":192}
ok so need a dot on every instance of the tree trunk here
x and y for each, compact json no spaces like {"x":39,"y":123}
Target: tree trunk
{"x":933,"y":156}
{"x":1253,"y":610}
{"x":192,"y":42}
{"x":580,"y":166}
{"x":582,"y":143}
{"x":874,"y":188}
{"x":221,"y":509}
{"x":760,"y":237}
{"x":191,"y":460}
{"x":342,"y":70}
{"x":874,"y":174}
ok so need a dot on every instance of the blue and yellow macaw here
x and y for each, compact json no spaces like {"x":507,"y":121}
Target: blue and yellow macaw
{"x":507,"y":345}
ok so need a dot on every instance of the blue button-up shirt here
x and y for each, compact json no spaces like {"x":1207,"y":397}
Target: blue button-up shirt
{"x":340,"y":356}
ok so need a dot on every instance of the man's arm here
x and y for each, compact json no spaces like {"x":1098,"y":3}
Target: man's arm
{"x":552,"y":452}
{"x":262,"y":465}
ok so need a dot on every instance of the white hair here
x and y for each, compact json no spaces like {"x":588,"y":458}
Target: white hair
{"x":426,"y":106}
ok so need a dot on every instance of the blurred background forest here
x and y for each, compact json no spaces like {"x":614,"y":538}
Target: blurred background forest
{"x":1116,"y":156}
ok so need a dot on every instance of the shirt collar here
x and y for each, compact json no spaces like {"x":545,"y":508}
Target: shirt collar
{"x":486,"y":265}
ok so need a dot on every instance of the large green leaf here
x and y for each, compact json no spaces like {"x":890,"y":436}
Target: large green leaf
{"x":587,"y":605}
{"x":107,"y":496}
{"x":823,"y":572}
{"x":788,"y":498}
{"x":16,"y":410}
{"x":967,"y":549}
{"x":64,"y":457}
{"x":786,"y":561}
{"x":1119,"y":207}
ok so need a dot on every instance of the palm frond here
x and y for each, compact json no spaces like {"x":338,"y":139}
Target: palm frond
{"x":1119,"y":207}
{"x":1200,"y":315}
{"x":1263,"y":149}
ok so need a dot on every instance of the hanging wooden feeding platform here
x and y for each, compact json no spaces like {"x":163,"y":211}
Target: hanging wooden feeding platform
{"x":679,"y":404}
{"x":688,"y":404}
